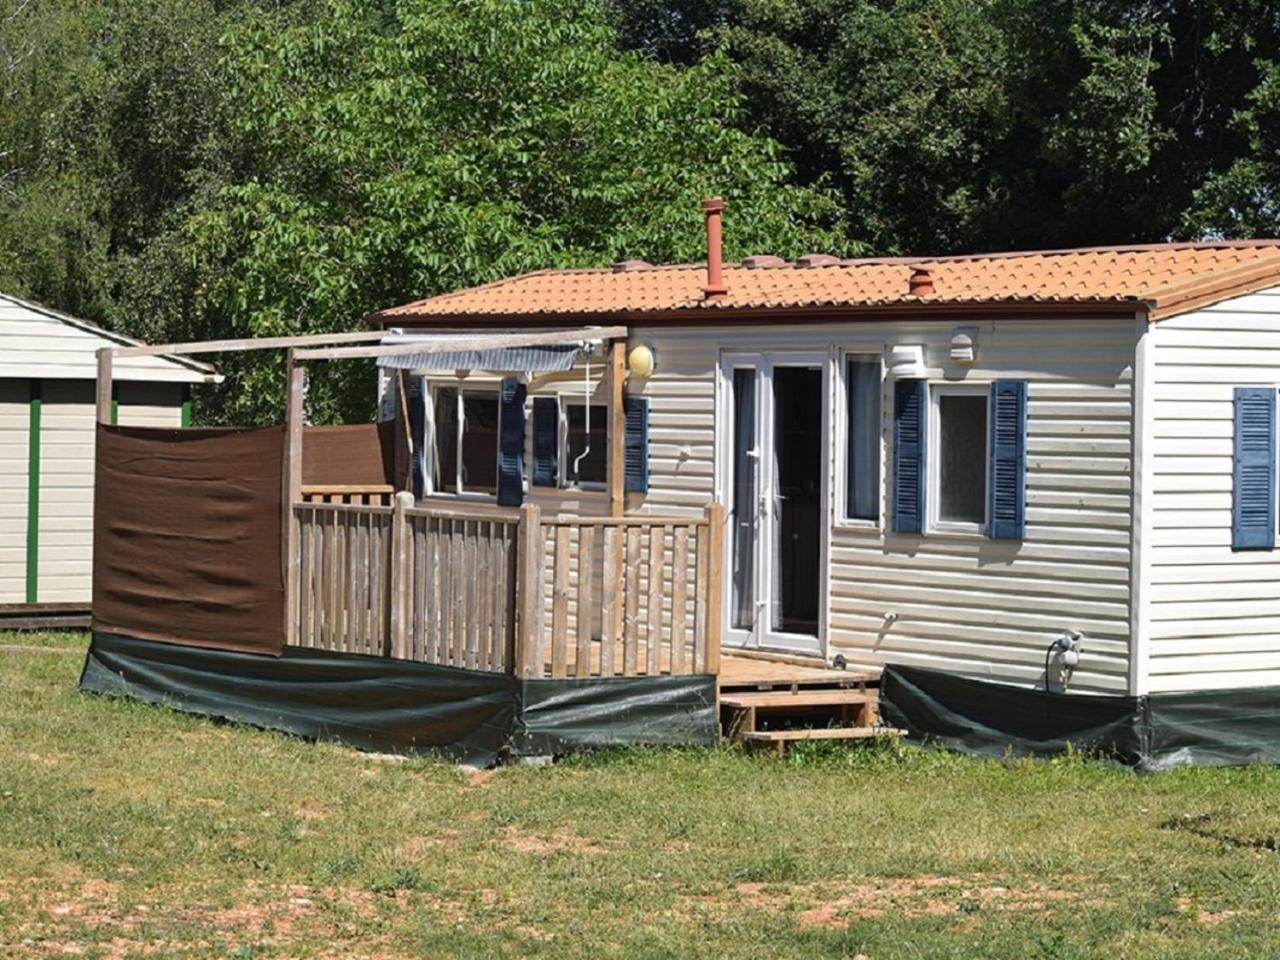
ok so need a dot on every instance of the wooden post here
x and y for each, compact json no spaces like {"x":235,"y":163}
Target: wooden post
{"x":401,"y":576}
{"x":715,"y":583}
{"x":528,"y":652}
{"x":104,"y":384}
{"x":617,"y":501}
{"x":292,"y":493}
{"x":617,"y":427}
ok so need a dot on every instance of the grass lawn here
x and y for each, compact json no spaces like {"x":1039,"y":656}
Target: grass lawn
{"x":131,"y":831}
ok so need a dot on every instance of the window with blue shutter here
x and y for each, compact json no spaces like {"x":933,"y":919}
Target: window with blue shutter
{"x":636,"y":444}
{"x":546,"y":441}
{"x":414,"y":394}
{"x":511,"y":442}
{"x":1253,"y":503}
{"x":910,"y":401}
{"x":1008,"y":481}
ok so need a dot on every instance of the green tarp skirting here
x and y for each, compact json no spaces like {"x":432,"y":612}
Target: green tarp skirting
{"x":375,"y":703}
{"x":1153,"y":732}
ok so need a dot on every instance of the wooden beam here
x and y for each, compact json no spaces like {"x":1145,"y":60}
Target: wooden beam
{"x":249,"y":343}
{"x":480,"y":341}
{"x":617,"y":426}
{"x":292,"y":493}
{"x":401,"y":575}
{"x":715,"y":585}
{"x":529,"y":544}
{"x":104,"y":384}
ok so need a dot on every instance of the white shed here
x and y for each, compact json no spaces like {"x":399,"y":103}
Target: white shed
{"x":48,"y":366}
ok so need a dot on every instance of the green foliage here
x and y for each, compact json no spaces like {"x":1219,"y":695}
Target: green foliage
{"x":957,"y":125}
{"x":183,"y":169}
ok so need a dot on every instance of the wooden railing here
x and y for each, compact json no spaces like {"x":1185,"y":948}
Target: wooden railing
{"x":345,"y":587}
{"x":510,"y":592}
{"x":461,"y":576}
{"x":628,"y":597}
{"x":379,"y":496}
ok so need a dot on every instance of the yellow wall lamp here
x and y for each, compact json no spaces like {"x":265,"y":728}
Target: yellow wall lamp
{"x":641,"y":361}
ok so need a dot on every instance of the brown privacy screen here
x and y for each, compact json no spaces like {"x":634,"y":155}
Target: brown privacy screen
{"x":186,"y":536}
{"x":356,"y":455}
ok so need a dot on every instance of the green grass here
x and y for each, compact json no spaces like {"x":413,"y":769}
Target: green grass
{"x":130,"y":830}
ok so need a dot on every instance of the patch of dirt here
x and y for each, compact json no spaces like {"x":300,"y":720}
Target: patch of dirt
{"x":834,"y":904}
{"x":525,"y":842}
{"x":478,"y":778}
{"x":1210,"y":918}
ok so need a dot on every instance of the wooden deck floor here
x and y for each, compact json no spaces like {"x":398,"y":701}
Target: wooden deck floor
{"x":751,"y":673}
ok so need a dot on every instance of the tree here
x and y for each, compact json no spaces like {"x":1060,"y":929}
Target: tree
{"x":385,"y":153}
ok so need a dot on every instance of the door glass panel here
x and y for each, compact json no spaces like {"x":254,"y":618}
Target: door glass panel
{"x":797,"y":508}
{"x":962,"y":461}
{"x":744,"y":499}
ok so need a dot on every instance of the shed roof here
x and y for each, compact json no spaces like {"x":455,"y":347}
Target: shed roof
{"x":41,"y":343}
{"x":1163,"y":278}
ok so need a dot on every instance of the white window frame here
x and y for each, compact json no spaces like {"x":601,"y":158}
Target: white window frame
{"x":933,"y":459}
{"x":841,"y":506}
{"x":461,"y":492}
{"x":565,"y":401}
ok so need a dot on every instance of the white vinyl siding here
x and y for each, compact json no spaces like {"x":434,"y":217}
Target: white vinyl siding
{"x":1213,"y":613}
{"x":15,"y":412}
{"x":66,"y":491}
{"x":40,"y":345}
{"x":963,"y":603}
{"x":149,"y":404}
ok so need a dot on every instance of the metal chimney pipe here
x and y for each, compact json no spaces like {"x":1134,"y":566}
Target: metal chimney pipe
{"x":715,"y":287}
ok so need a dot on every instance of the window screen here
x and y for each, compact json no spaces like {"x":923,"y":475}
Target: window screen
{"x":591,"y":468}
{"x":862,"y":452}
{"x":446,"y":426}
{"x":962,"y":458}
{"x":480,"y":443}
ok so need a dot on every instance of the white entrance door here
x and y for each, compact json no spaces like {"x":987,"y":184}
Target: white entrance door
{"x":773,"y":466}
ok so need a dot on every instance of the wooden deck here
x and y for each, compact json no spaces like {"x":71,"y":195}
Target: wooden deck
{"x":754,"y":673}
{"x":773,"y":703}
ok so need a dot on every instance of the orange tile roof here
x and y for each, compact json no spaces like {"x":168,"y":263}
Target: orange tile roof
{"x":1170,"y":278}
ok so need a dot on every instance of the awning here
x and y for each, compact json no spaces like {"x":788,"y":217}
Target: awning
{"x":550,"y":358}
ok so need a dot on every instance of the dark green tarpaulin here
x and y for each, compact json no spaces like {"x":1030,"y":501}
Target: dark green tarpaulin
{"x":376,"y":703}
{"x":1153,"y":732}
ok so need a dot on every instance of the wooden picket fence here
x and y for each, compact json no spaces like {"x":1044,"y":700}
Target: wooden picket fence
{"x":509,"y":592}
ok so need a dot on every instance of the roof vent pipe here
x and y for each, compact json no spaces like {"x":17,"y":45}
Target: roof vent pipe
{"x":715,"y":287}
{"x":920,"y":283}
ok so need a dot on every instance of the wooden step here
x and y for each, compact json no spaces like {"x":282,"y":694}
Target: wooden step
{"x":798,"y":700}
{"x":778,"y":739}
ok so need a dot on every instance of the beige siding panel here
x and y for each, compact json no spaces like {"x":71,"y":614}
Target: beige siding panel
{"x":963,"y":604}
{"x":1214,"y":613}
{"x":14,"y":421}
{"x":66,"y":491}
{"x":149,"y":404}
{"x":41,"y":346}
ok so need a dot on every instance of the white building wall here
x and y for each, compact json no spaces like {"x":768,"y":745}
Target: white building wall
{"x":41,"y":345}
{"x":964,"y":603}
{"x":1214,"y":614}
{"x":67,"y":427}
{"x":15,"y":412}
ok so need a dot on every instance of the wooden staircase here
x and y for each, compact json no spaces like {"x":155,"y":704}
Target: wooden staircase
{"x":770,"y":704}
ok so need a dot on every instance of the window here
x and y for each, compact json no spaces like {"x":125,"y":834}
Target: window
{"x":466,"y":441}
{"x":862,"y":438}
{"x":960,"y":466}
{"x":586,"y":446}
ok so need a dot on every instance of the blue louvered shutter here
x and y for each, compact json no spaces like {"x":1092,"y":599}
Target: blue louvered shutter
{"x":546,"y":441}
{"x":1253,"y":503}
{"x":511,"y":442}
{"x":910,"y":400}
{"x":414,"y":394}
{"x":635,"y":445}
{"x":1007,"y":484}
